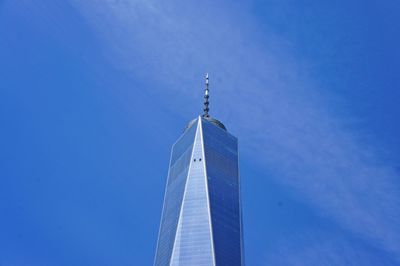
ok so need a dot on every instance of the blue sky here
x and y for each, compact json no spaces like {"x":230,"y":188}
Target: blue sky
{"x":93,"y":94}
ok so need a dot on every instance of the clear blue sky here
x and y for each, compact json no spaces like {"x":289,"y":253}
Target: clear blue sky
{"x":94,"y":93}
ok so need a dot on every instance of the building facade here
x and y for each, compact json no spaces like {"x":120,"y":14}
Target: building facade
{"x":201,"y":218}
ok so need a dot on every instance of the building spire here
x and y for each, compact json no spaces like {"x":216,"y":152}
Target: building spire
{"x":206,"y":96}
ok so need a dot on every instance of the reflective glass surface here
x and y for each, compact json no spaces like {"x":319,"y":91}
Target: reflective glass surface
{"x":193,"y":246}
{"x":221,"y":156}
{"x":201,"y":220}
{"x":179,"y":166}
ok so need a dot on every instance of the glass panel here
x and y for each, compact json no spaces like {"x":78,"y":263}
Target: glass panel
{"x":223,"y":184}
{"x":193,"y":245}
{"x":179,"y":166}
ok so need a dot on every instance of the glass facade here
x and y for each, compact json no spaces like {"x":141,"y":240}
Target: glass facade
{"x":221,"y":153}
{"x":201,"y":219}
{"x":178,"y":170}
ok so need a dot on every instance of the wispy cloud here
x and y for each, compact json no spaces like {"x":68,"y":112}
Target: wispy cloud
{"x":284,"y":120}
{"x":323,"y":249}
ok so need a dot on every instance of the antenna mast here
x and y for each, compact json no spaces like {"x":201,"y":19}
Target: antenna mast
{"x":206,"y":97}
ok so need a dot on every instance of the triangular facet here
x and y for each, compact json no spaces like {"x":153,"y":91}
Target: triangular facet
{"x":193,"y":242}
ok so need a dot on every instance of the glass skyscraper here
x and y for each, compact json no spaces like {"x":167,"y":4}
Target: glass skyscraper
{"x":201,"y":217}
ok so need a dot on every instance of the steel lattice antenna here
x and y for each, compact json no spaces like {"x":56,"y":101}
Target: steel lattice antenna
{"x":206,"y":98}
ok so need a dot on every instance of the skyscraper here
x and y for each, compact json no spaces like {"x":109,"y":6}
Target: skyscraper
{"x":201,"y":218}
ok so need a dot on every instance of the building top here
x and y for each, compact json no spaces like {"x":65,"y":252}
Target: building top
{"x":215,"y":122}
{"x":206,"y":109}
{"x":209,"y":119}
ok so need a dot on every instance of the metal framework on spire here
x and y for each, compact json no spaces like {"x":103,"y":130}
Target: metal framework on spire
{"x":206,"y":99}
